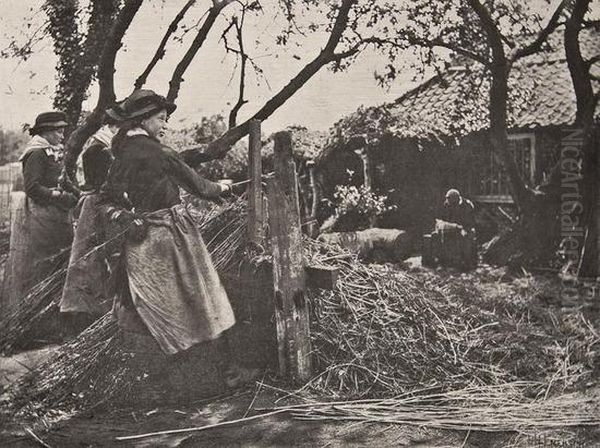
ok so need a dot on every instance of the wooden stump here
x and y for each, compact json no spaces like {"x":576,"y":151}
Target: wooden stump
{"x":291,"y":307}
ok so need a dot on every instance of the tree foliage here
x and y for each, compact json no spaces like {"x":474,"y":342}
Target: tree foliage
{"x":11,"y":145}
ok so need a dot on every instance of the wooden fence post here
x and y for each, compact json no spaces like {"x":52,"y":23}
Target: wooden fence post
{"x":256,"y":209}
{"x":291,"y":307}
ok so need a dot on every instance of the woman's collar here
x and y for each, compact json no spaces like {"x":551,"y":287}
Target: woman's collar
{"x":137,"y":131}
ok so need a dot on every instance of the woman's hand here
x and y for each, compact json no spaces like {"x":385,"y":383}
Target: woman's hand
{"x":134,"y":225}
{"x":226,"y":186}
{"x":64,"y":199}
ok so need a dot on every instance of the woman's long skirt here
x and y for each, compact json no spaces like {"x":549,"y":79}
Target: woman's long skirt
{"x":174,"y":285}
{"x":39,"y":235}
{"x":86,"y":287}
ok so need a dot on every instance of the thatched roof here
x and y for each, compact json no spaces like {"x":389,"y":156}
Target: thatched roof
{"x":454,"y":103}
{"x":306,"y":144}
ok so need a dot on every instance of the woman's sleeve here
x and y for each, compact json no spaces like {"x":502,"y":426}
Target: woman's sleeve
{"x":96,"y":162}
{"x":188,"y":179}
{"x":34,"y":168}
{"x":114,"y":190}
{"x":194,"y":157}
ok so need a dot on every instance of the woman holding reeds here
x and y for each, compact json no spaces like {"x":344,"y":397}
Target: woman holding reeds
{"x":168,"y":285}
{"x":41,"y":227}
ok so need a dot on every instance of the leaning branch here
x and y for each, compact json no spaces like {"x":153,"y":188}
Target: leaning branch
{"x":177,"y":78}
{"x":218,"y":148}
{"x":106,"y":97}
{"x":493,"y":34}
{"x":536,"y":45}
{"x":160,"y":51}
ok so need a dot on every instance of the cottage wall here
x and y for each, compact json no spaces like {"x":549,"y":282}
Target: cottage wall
{"x":416,"y":176}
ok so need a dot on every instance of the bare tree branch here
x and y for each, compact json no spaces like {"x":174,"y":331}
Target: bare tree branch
{"x":439,"y":42}
{"x":591,"y":23}
{"x":106,"y":69}
{"x":244,"y":57}
{"x":542,"y":37}
{"x":177,"y":78}
{"x":219,"y":147}
{"x":160,"y":51}
{"x":493,"y":34}
{"x":591,"y":61}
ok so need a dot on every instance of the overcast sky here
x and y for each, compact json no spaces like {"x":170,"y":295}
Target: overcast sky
{"x":26,"y":88}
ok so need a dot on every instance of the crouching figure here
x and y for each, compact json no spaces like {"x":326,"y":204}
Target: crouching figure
{"x":453,"y":242}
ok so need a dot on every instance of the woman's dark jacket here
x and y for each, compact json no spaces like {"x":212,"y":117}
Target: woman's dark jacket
{"x":150,"y":175}
{"x":40,"y":175}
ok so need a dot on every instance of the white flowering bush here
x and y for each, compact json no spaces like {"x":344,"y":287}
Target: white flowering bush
{"x":362,"y":201}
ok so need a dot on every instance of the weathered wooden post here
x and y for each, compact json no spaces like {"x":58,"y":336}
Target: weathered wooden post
{"x":256,"y":208}
{"x":291,"y":307}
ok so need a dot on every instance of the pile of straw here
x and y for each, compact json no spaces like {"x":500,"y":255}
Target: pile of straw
{"x":382,"y":331}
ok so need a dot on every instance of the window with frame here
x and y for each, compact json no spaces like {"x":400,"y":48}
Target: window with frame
{"x":495,"y":185}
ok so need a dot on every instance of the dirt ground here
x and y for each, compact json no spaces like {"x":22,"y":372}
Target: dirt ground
{"x":102,"y":427}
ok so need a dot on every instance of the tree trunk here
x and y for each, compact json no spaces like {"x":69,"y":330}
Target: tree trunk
{"x":106,"y":68}
{"x":499,"y":134}
{"x":587,"y":100}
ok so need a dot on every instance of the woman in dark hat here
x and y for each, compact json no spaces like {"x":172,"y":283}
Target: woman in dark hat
{"x":169,"y":286}
{"x":45,"y":228}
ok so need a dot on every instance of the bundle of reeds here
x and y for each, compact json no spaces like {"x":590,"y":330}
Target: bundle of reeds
{"x":89,"y":370}
{"x":501,"y":408}
{"x":36,"y":312}
{"x":222,"y":227}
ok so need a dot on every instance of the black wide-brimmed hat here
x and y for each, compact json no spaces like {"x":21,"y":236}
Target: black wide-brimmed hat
{"x":114,"y":114}
{"x":141,"y":104}
{"x":48,"y":121}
